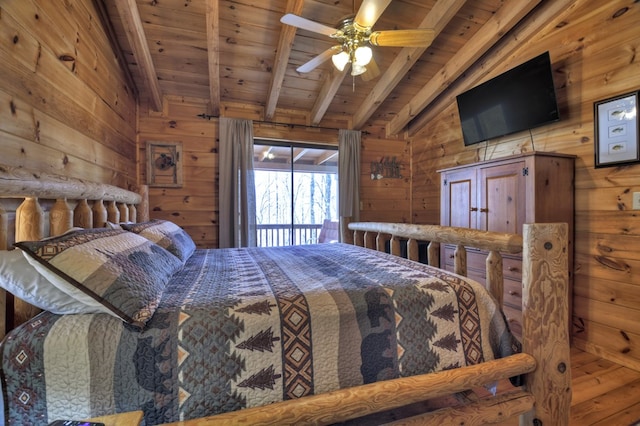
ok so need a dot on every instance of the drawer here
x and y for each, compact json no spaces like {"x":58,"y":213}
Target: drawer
{"x":514,"y":319}
{"x":475,"y":258}
{"x":513,"y":293}
{"x":471,"y":273}
{"x":512,"y":268}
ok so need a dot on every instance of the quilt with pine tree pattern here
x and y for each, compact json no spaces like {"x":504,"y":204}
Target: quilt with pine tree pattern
{"x":239,"y":328}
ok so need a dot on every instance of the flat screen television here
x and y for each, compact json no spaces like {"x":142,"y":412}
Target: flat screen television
{"x":520,"y":99}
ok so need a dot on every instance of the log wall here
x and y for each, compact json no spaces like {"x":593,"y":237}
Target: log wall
{"x":65,"y":104}
{"x":194,"y":206}
{"x":594,"y":53}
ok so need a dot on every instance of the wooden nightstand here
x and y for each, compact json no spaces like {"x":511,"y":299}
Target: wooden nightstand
{"x":132,"y":418}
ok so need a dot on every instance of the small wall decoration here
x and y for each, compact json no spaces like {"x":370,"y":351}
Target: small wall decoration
{"x":164,"y":164}
{"x":616,"y":131}
{"x":386,"y":168}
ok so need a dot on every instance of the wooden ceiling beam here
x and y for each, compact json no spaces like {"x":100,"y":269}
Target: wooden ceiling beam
{"x":130,"y":17}
{"x":499,"y":24}
{"x":549,"y":13}
{"x":115,"y":46}
{"x":327,"y":92}
{"x":281,"y":61}
{"x":326,"y":156}
{"x":213,"y":55}
{"x":437,"y":18}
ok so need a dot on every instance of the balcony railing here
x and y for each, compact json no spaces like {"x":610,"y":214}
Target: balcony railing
{"x":274,"y":235}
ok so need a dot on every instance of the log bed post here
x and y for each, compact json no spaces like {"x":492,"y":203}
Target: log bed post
{"x":124,"y":212}
{"x":99,"y":214}
{"x":60,"y":217}
{"x":495,"y":279}
{"x":545,"y":318}
{"x":82,"y":215}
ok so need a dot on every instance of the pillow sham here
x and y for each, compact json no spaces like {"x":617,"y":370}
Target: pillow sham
{"x":21,"y":279}
{"x":166,"y":234}
{"x":123,"y":272}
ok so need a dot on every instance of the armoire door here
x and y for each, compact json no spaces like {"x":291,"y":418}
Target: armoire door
{"x":459,"y":198}
{"x":502,"y":190}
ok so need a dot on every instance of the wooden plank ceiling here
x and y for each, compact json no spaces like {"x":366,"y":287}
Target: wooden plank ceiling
{"x":238,"y":52}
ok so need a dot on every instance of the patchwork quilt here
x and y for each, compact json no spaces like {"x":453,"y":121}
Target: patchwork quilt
{"x":238,"y":328}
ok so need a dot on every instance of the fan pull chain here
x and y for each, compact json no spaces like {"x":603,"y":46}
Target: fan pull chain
{"x":353,"y":84}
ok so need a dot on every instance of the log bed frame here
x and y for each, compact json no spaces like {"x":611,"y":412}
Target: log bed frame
{"x":34,"y":205}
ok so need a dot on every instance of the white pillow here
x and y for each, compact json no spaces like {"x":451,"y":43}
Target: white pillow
{"x":89,"y":304}
{"x":18,"y":277}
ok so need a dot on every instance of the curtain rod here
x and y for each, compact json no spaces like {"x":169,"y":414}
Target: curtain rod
{"x":276,"y":123}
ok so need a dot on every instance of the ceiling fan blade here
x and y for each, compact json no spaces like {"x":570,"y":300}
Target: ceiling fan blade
{"x":307,"y":24}
{"x":403,"y":38}
{"x":324,"y":56}
{"x":372,"y":72}
{"x":369,"y":12}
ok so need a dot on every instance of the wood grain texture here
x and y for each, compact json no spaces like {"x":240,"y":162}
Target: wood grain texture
{"x":484,"y":411}
{"x":29,"y":220}
{"x":67,"y":106}
{"x":60,"y":217}
{"x":24,"y":182}
{"x":507,"y":243}
{"x":347,"y":403}
{"x":545,"y":315}
{"x":82,"y":215}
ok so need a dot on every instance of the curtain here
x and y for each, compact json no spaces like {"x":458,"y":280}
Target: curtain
{"x":237,"y":220}
{"x":348,"y":180}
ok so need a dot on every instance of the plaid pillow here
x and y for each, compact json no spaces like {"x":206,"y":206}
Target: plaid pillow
{"x":166,"y":234}
{"x":122,"y":271}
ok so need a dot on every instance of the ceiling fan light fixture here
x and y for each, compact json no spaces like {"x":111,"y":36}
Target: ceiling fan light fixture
{"x":340,"y":60}
{"x":363,"y":55}
{"x":357,"y":69}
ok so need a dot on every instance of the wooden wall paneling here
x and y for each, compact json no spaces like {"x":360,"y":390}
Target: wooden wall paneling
{"x":37,"y":156}
{"x":90,"y":57}
{"x":53,"y":118}
{"x":193,"y":206}
{"x":610,"y":222}
{"x":28,"y":122}
{"x":386,"y":199}
{"x":590,"y":63}
{"x":52,"y":83}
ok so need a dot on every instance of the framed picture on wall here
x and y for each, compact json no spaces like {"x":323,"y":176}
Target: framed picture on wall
{"x":616,"y":131}
{"x":164,"y":164}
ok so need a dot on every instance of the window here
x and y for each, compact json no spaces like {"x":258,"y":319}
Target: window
{"x":296,"y":191}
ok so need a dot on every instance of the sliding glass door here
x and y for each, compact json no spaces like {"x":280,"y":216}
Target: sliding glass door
{"x":296,"y":192}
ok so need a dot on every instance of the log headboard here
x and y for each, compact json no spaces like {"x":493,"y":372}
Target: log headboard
{"x":34,"y":205}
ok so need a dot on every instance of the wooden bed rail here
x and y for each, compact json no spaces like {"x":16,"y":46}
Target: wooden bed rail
{"x":344,"y":404}
{"x":544,"y":399}
{"x":366,"y":233}
{"x":20,"y":182}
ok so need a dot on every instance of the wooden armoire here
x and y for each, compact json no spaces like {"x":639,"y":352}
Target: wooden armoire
{"x":501,"y":195}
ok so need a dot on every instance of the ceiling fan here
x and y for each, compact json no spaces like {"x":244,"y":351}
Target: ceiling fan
{"x":354,"y":35}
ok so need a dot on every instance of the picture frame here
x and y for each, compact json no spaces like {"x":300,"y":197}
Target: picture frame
{"x":164,"y":164}
{"x":616,"y":135}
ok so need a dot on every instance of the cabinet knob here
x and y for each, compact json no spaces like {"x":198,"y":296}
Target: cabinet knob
{"x":513,"y":293}
{"x":474,"y":209}
{"x":512,"y":269}
{"x":484,"y":210}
